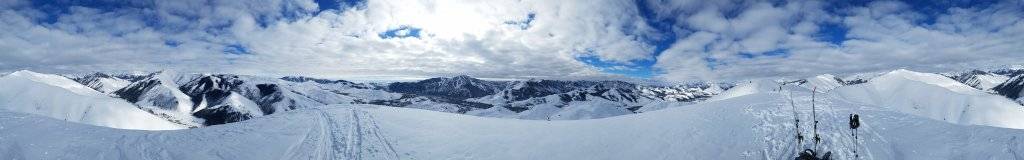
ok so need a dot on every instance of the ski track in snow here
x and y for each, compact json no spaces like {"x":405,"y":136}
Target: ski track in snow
{"x":836,"y":136}
{"x":315,"y":139}
{"x":359,"y":138}
{"x":326,"y":139}
{"x":376,"y":136}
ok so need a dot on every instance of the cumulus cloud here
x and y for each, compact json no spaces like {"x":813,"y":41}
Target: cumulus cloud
{"x":880,"y":36}
{"x":704,"y":40}
{"x":292,"y":37}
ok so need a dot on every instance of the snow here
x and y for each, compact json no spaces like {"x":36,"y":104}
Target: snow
{"x":498,"y":112}
{"x":62,"y":98}
{"x":242,"y":104}
{"x":989,"y":81}
{"x":552,"y":107}
{"x":653,"y":106}
{"x":982,"y":80}
{"x":100,"y":82}
{"x":823,"y":82}
{"x":166,"y":99}
{"x":748,"y":88}
{"x":589,"y":110}
{"x":905,"y":115}
{"x":109,"y":85}
{"x":754,"y":126}
{"x":896,"y":76}
{"x":937,"y":97}
{"x":714,"y":89}
{"x":53,"y":80}
{"x":167,"y":94}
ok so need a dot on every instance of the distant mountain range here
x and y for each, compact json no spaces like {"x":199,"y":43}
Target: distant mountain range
{"x":195,"y":100}
{"x":209,"y":99}
{"x":1008,"y":82}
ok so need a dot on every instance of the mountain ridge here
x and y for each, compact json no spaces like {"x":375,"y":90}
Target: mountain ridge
{"x":195,"y":99}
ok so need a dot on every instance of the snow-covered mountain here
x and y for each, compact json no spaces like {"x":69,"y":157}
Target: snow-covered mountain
{"x":62,"y":98}
{"x":158,"y":93}
{"x":455,"y":88}
{"x":1004,"y":81}
{"x":209,"y":99}
{"x":561,"y":100}
{"x":309,"y":118}
{"x":979,"y":79}
{"x":937,"y":97}
{"x":759,"y":125}
{"x":602,"y":99}
{"x":196,"y":100}
{"x":1009,"y":71}
{"x":826,"y":82}
{"x":1012,"y":88}
{"x":218,"y":99}
{"x":102,"y":82}
{"x":540,"y":99}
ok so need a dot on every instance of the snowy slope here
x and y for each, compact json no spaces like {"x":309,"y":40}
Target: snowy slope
{"x":753,"y":126}
{"x":210,"y":99}
{"x":937,"y":97}
{"x":185,"y":98}
{"x":823,"y":82}
{"x":981,"y":80}
{"x":748,"y":88}
{"x":64,"y":99}
{"x":1012,"y":88}
{"x":581,"y":104}
{"x":988,"y":81}
{"x":102,"y":82}
{"x":540,"y":100}
{"x":158,"y":93}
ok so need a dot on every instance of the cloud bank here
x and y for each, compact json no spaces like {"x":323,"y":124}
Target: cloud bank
{"x":661,"y":40}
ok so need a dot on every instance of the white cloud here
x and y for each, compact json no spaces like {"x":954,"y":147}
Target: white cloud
{"x":284,"y":37}
{"x":882,"y":35}
{"x":715,"y":39}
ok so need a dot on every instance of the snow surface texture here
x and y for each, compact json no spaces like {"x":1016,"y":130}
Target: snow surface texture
{"x":61,"y":98}
{"x":753,"y":126}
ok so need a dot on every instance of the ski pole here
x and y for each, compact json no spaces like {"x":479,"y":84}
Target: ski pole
{"x":814,"y":116}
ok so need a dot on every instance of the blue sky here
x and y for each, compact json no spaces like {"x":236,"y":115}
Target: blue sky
{"x":659,"y":40}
